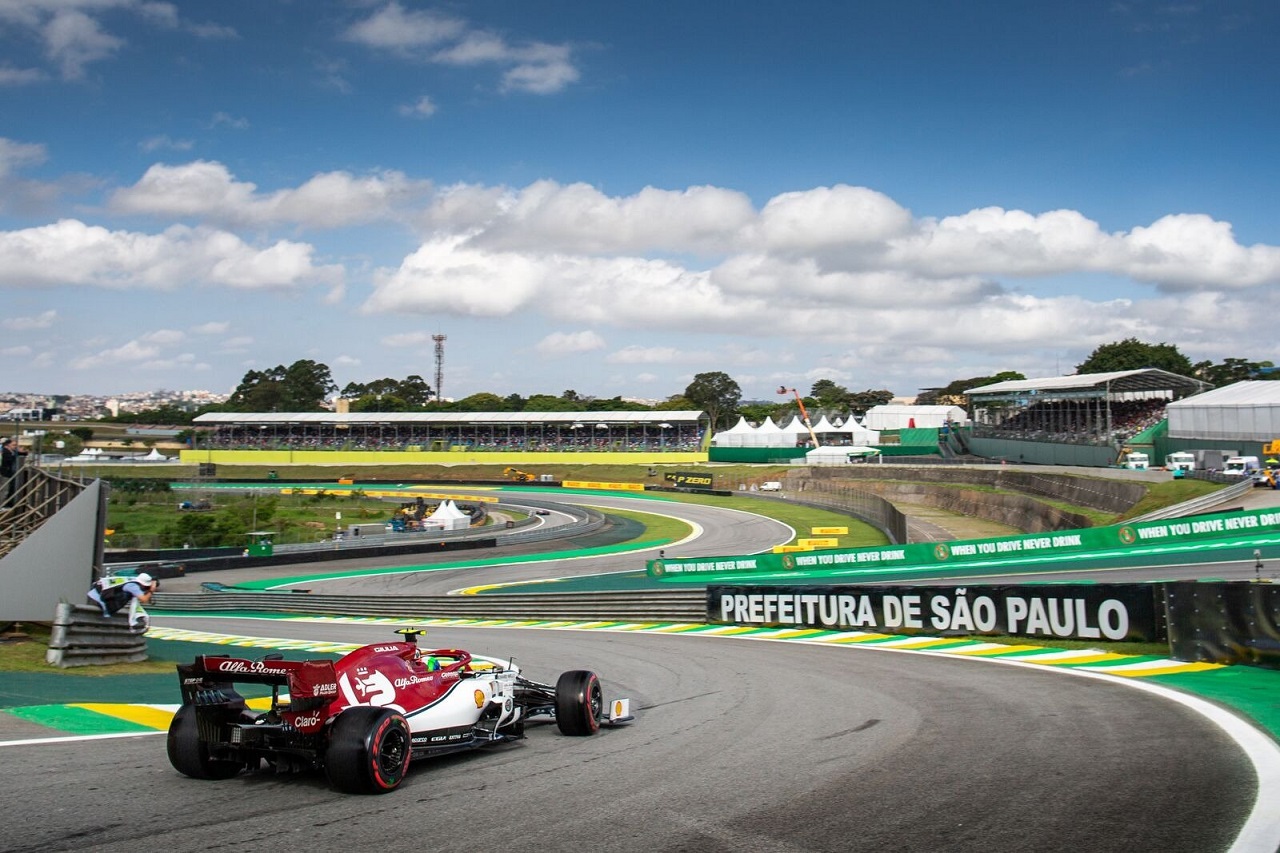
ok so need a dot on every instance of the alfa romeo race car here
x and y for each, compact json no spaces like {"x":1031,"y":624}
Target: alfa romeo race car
{"x":364,"y":717}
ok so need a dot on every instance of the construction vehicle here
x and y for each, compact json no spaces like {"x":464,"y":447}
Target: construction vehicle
{"x":804,"y":415}
{"x":517,"y":474}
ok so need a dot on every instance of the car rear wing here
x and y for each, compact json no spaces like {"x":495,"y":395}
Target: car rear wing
{"x":310,"y":683}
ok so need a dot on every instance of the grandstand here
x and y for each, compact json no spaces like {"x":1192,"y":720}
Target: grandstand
{"x":431,"y":437}
{"x":1072,"y":420}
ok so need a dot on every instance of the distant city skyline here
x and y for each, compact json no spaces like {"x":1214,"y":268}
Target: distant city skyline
{"x":613,"y":198}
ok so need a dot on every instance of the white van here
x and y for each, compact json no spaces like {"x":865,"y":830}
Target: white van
{"x":771,"y":486}
{"x":1239,"y":466}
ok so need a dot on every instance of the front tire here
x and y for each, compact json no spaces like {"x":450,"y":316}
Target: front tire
{"x":369,"y":750}
{"x":189,"y":755}
{"x":579,"y":703}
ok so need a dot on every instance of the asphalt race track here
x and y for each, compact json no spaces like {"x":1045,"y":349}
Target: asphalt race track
{"x":739,"y":745}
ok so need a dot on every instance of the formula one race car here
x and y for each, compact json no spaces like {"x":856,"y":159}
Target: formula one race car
{"x":361,"y":719}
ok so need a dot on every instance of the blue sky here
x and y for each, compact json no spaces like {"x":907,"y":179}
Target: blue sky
{"x":612,"y":198}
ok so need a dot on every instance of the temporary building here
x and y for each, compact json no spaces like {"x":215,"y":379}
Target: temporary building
{"x":895,"y":416}
{"x":1245,"y":411}
{"x":832,"y":454}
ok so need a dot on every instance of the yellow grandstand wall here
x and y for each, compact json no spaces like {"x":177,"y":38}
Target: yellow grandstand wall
{"x":390,"y":457}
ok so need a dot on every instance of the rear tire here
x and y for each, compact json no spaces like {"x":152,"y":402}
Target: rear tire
{"x":579,"y":703}
{"x":189,"y":755}
{"x":369,"y":750}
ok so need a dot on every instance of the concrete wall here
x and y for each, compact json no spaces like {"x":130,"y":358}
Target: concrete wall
{"x":1043,"y":453}
{"x":1108,"y":495}
{"x":1017,"y":511}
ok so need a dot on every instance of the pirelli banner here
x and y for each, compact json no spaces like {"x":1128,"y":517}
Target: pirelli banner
{"x":1115,"y":612}
{"x":688,"y":479}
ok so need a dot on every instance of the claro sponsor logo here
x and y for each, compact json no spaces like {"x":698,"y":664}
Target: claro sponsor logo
{"x":256,"y":667}
{"x":306,"y":722}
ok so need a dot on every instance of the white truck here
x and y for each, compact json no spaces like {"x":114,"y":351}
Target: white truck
{"x":1180,"y":461}
{"x":1241,"y":466}
{"x":1135,"y":461}
{"x":771,"y":486}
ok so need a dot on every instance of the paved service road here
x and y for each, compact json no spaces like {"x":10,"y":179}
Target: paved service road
{"x":739,"y":745}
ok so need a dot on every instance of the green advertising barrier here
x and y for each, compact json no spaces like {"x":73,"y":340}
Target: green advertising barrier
{"x":1134,"y":536}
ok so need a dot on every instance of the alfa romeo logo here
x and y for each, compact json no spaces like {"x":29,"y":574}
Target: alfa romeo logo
{"x":941,"y":551}
{"x":1127,"y":536}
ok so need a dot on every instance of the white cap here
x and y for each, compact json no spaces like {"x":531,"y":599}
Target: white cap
{"x":144,"y":579}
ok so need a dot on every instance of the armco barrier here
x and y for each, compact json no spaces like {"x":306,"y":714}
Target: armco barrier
{"x":655,"y":606}
{"x":82,"y":636}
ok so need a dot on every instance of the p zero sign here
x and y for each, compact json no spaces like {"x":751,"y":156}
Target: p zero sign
{"x":1094,"y":612}
{"x":688,"y":478}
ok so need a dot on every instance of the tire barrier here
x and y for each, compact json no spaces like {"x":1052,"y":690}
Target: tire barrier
{"x":648,"y":606}
{"x":82,"y":636}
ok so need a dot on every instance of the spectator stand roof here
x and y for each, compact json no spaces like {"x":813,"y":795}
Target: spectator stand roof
{"x":1092,"y":385}
{"x":652,"y":418}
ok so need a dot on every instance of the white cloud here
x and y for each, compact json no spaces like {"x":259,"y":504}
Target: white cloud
{"x":221,"y":119}
{"x":70,"y":252}
{"x":406,"y":339}
{"x":163,"y":337}
{"x":645,"y":355}
{"x":129,"y":353}
{"x":72,"y":40}
{"x":16,"y":352}
{"x":213,"y":327}
{"x":424,"y":107}
{"x":346,"y":361}
{"x":73,"y":36}
{"x":16,"y":155}
{"x":207,"y":190}
{"x":569,"y":343}
{"x":534,"y":67}
{"x":393,"y":27}
{"x":43,"y":320}
{"x":165,"y":142}
{"x":10,"y":76}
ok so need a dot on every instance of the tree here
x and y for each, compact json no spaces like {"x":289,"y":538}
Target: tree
{"x":1132,"y":354}
{"x":301,"y":387}
{"x":482,"y":402}
{"x":828,"y":395}
{"x":953,"y":394}
{"x":863,"y":400}
{"x":716,"y":394}
{"x":1232,"y":370}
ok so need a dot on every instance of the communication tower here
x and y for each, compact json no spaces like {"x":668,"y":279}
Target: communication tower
{"x":439,"y":339}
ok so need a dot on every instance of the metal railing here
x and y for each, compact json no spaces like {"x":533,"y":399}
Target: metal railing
{"x":683,"y":605}
{"x":35,"y":497}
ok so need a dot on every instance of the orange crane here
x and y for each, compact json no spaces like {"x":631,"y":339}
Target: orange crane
{"x":804,"y":415}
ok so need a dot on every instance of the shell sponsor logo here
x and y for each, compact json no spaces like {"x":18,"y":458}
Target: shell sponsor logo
{"x":480,"y":698}
{"x":617,"y":709}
